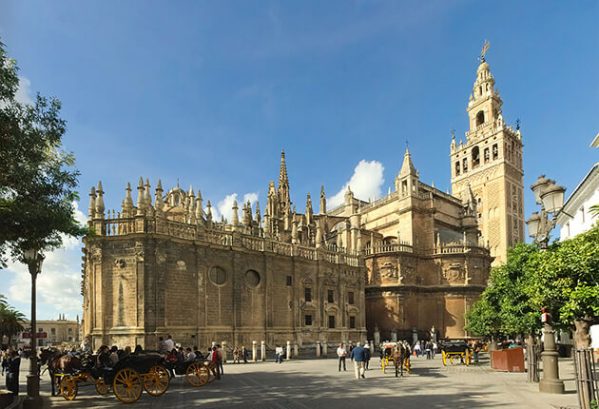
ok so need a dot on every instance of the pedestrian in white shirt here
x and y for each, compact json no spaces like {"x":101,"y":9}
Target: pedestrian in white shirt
{"x":342,"y":354}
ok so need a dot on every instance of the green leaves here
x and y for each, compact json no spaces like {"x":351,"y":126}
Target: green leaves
{"x":11,"y":320}
{"x":564,"y":279}
{"x":37,"y":182}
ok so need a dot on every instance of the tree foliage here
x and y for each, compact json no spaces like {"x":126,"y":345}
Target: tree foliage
{"x":564,"y":279}
{"x":504,"y":307}
{"x":11,"y":320}
{"x":37,"y":179}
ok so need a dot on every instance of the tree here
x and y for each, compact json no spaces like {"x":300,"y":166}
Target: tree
{"x":504,"y":307}
{"x":11,"y":322}
{"x":567,"y":282}
{"x":37,"y":182}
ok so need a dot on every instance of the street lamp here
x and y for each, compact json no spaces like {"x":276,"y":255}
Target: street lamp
{"x":550,"y":197}
{"x":34,"y":259}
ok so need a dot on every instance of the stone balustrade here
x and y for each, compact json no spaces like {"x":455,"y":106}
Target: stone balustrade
{"x":122,"y":226}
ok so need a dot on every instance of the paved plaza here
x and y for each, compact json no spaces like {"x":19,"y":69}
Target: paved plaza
{"x":316,"y":383}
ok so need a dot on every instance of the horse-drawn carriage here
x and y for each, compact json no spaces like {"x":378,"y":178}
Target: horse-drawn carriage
{"x":128,"y":378}
{"x":398,"y":354}
{"x":451,"y":350}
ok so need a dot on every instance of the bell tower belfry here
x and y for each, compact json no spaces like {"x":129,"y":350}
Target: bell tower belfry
{"x":490,"y":162}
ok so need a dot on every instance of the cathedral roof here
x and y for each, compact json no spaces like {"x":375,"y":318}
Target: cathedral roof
{"x":407,"y":167}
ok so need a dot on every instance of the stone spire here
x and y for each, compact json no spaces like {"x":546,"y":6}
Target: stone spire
{"x":323,"y":201}
{"x":272,"y":201}
{"x":148,"y":198}
{"x":284,"y":199}
{"x":235,"y":215}
{"x":209,"y":213}
{"x":294,"y":233}
{"x":140,"y":197}
{"x":158,"y":201}
{"x":407,"y":167}
{"x":92,"y":204}
{"x":100,"y":201}
{"x":257,"y":216}
{"x":191,"y":201}
{"x":199,"y":209}
{"x":128,"y":202}
{"x":309,"y":211}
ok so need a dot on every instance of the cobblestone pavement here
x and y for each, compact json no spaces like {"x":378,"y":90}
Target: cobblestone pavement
{"x":317,"y":384}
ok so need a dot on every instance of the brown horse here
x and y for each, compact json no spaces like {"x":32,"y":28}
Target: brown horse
{"x":59,"y":362}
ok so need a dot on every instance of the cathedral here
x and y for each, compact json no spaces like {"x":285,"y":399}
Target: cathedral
{"x":410,"y":261}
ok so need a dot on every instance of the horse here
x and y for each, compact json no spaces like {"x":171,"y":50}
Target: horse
{"x":401,"y":359}
{"x":59,"y":362}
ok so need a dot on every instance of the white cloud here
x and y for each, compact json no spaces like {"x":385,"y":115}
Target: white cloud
{"x":225,"y":206}
{"x":366,"y":183}
{"x":59,"y":284}
{"x":23,"y":94}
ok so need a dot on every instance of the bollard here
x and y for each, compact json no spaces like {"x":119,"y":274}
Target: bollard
{"x":224,"y":351}
{"x":317,"y":349}
{"x":262,"y":351}
{"x":288,"y":350}
{"x":325,"y":349}
{"x":295,"y":350}
{"x":254,"y":351}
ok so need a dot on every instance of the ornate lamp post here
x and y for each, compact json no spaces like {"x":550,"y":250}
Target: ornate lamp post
{"x":34,"y":260}
{"x":551,"y":198}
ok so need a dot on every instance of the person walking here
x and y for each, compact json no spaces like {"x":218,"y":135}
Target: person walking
{"x":342,"y":354}
{"x":358,"y":355}
{"x":13,"y":366}
{"x":367,"y":352}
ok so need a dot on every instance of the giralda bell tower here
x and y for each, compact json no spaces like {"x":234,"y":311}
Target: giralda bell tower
{"x":488,"y":165}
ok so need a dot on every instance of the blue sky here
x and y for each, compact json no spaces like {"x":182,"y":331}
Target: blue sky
{"x":210,"y":92}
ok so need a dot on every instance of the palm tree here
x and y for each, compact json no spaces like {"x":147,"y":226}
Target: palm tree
{"x":11,"y":320}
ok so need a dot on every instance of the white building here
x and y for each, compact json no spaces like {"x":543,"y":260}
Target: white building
{"x":576,"y":217}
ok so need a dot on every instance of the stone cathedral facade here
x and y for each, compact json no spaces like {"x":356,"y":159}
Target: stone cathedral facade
{"x":412,"y":260}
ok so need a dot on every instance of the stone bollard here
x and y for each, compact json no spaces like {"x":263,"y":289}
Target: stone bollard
{"x":262,"y":351}
{"x":254,"y":351}
{"x":318,"y":349}
{"x":288,"y":350}
{"x":295,"y":350}
{"x":325,"y":349}
{"x":224,"y":351}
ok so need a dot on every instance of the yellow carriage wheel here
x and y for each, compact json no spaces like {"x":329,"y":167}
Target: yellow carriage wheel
{"x":127,"y":385}
{"x":156,"y":381}
{"x":101,"y":387}
{"x":68,"y":387}
{"x":193,"y":375}
{"x":467,"y":357}
{"x":407,"y":365}
{"x":444,"y":358}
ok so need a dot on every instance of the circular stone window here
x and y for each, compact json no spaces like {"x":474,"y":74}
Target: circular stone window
{"x":217,"y":275}
{"x":252,"y":278}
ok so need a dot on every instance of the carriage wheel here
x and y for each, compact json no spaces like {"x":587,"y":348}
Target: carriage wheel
{"x":408,"y":365}
{"x":156,"y":381}
{"x":68,"y":387}
{"x":197,"y":375}
{"x":467,"y":357}
{"x":101,"y":387}
{"x":444,"y":358}
{"x":127,"y":385}
{"x":204,"y":375}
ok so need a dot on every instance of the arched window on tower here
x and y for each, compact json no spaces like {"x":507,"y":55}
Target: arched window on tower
{"x":480,"y":90}
{"x":475,"y":157}
{"x":495,"y":152}
{"x":457,"y":168}
{"x":465,"y":165}
{"x":480,"y":118}
{"x":486,"y":155}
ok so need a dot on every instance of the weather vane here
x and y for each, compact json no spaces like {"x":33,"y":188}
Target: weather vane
{"x":486,"y":46}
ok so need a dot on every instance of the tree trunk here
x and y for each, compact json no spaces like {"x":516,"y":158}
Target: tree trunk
{"x":582,"y":337}
{"x":532,"y":359}
{"x":582,"y":341}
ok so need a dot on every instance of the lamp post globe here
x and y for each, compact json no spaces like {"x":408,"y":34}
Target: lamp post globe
{"x":553,"y":198}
